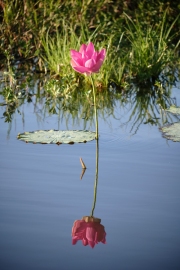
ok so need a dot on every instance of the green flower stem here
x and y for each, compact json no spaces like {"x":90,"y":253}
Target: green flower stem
{"x":96,"y":177}
{"x":95,"y":108}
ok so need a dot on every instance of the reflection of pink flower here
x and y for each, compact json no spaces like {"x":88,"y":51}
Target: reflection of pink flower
{"x":91,"y":233}
{"x":87,"y":60}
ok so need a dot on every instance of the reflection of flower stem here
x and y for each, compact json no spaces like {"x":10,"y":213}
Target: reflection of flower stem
{"x":96,"y":177}
{"x":95,"y":107}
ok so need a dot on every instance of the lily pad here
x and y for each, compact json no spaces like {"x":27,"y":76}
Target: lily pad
{"x":172,"y":132}
{"x":57,"y":136}
{"x":173,"y":109}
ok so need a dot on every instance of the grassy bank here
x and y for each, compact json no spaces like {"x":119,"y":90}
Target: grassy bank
{"x":141,"y":38}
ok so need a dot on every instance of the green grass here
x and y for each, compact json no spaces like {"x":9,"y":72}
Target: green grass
{"x":56,"y":54}
{"x":140,"y":45}
{"x":152,"y":49}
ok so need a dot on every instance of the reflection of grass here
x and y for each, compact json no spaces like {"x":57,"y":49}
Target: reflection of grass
{"x":73,"y":103}
{"x":148,"y":105}
{"x":76,"y":102}
{"x":14,"y":93}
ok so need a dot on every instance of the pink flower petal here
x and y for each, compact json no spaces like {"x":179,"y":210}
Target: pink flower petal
{"x":101,"y":55}
{"x":74,"y":240}
{"x":87,"y":60}
{"x":85,"y":242}
{"x":76,"y":62}
{"x":83,"y":48}
{"x":94,"y":56}
{"x":92,"y":244}
{"x":84,"y":58}
{"x":90,"y":63}
{"x":97,"y":66}
{"x":78,"y":225}
{"x":90,"y":49}
{"x":75,"y":54}
{"x":83,"y":54}
{"x":81,"y":69}
{"x":90,"y":233}
{"x":103,"y":241}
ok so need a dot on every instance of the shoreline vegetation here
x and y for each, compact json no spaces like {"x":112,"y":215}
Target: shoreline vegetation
{"x":141,"y":38}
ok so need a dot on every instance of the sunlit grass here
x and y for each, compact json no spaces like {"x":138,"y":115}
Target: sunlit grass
{"x":150,"y":52}
{"x":152,"y":49}
{"x":48,"y":30}
{"x":57,"y":54}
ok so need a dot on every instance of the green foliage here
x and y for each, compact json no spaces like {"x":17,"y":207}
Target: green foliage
{"x":140,"y":45}
{"x":57,"y":54}
{"x":148,"y":104}
{"x":57,"y":48}
{"x":152,"y":50}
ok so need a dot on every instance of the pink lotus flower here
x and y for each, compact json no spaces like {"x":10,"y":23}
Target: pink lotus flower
{"x":87,"y":60}
{"x":91,"y":233}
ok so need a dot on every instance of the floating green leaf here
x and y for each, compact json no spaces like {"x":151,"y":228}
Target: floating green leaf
{"x":173,"y":109}
{"x":57,"y":136}
{"x":172,"y":132}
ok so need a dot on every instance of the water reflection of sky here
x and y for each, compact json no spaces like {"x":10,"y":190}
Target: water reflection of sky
{"x":41,"y":194}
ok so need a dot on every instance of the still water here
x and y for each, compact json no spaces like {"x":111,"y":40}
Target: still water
{"x":41,"y":195}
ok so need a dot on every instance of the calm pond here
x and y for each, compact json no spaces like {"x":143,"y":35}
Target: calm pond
{"x":41,"y":194}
